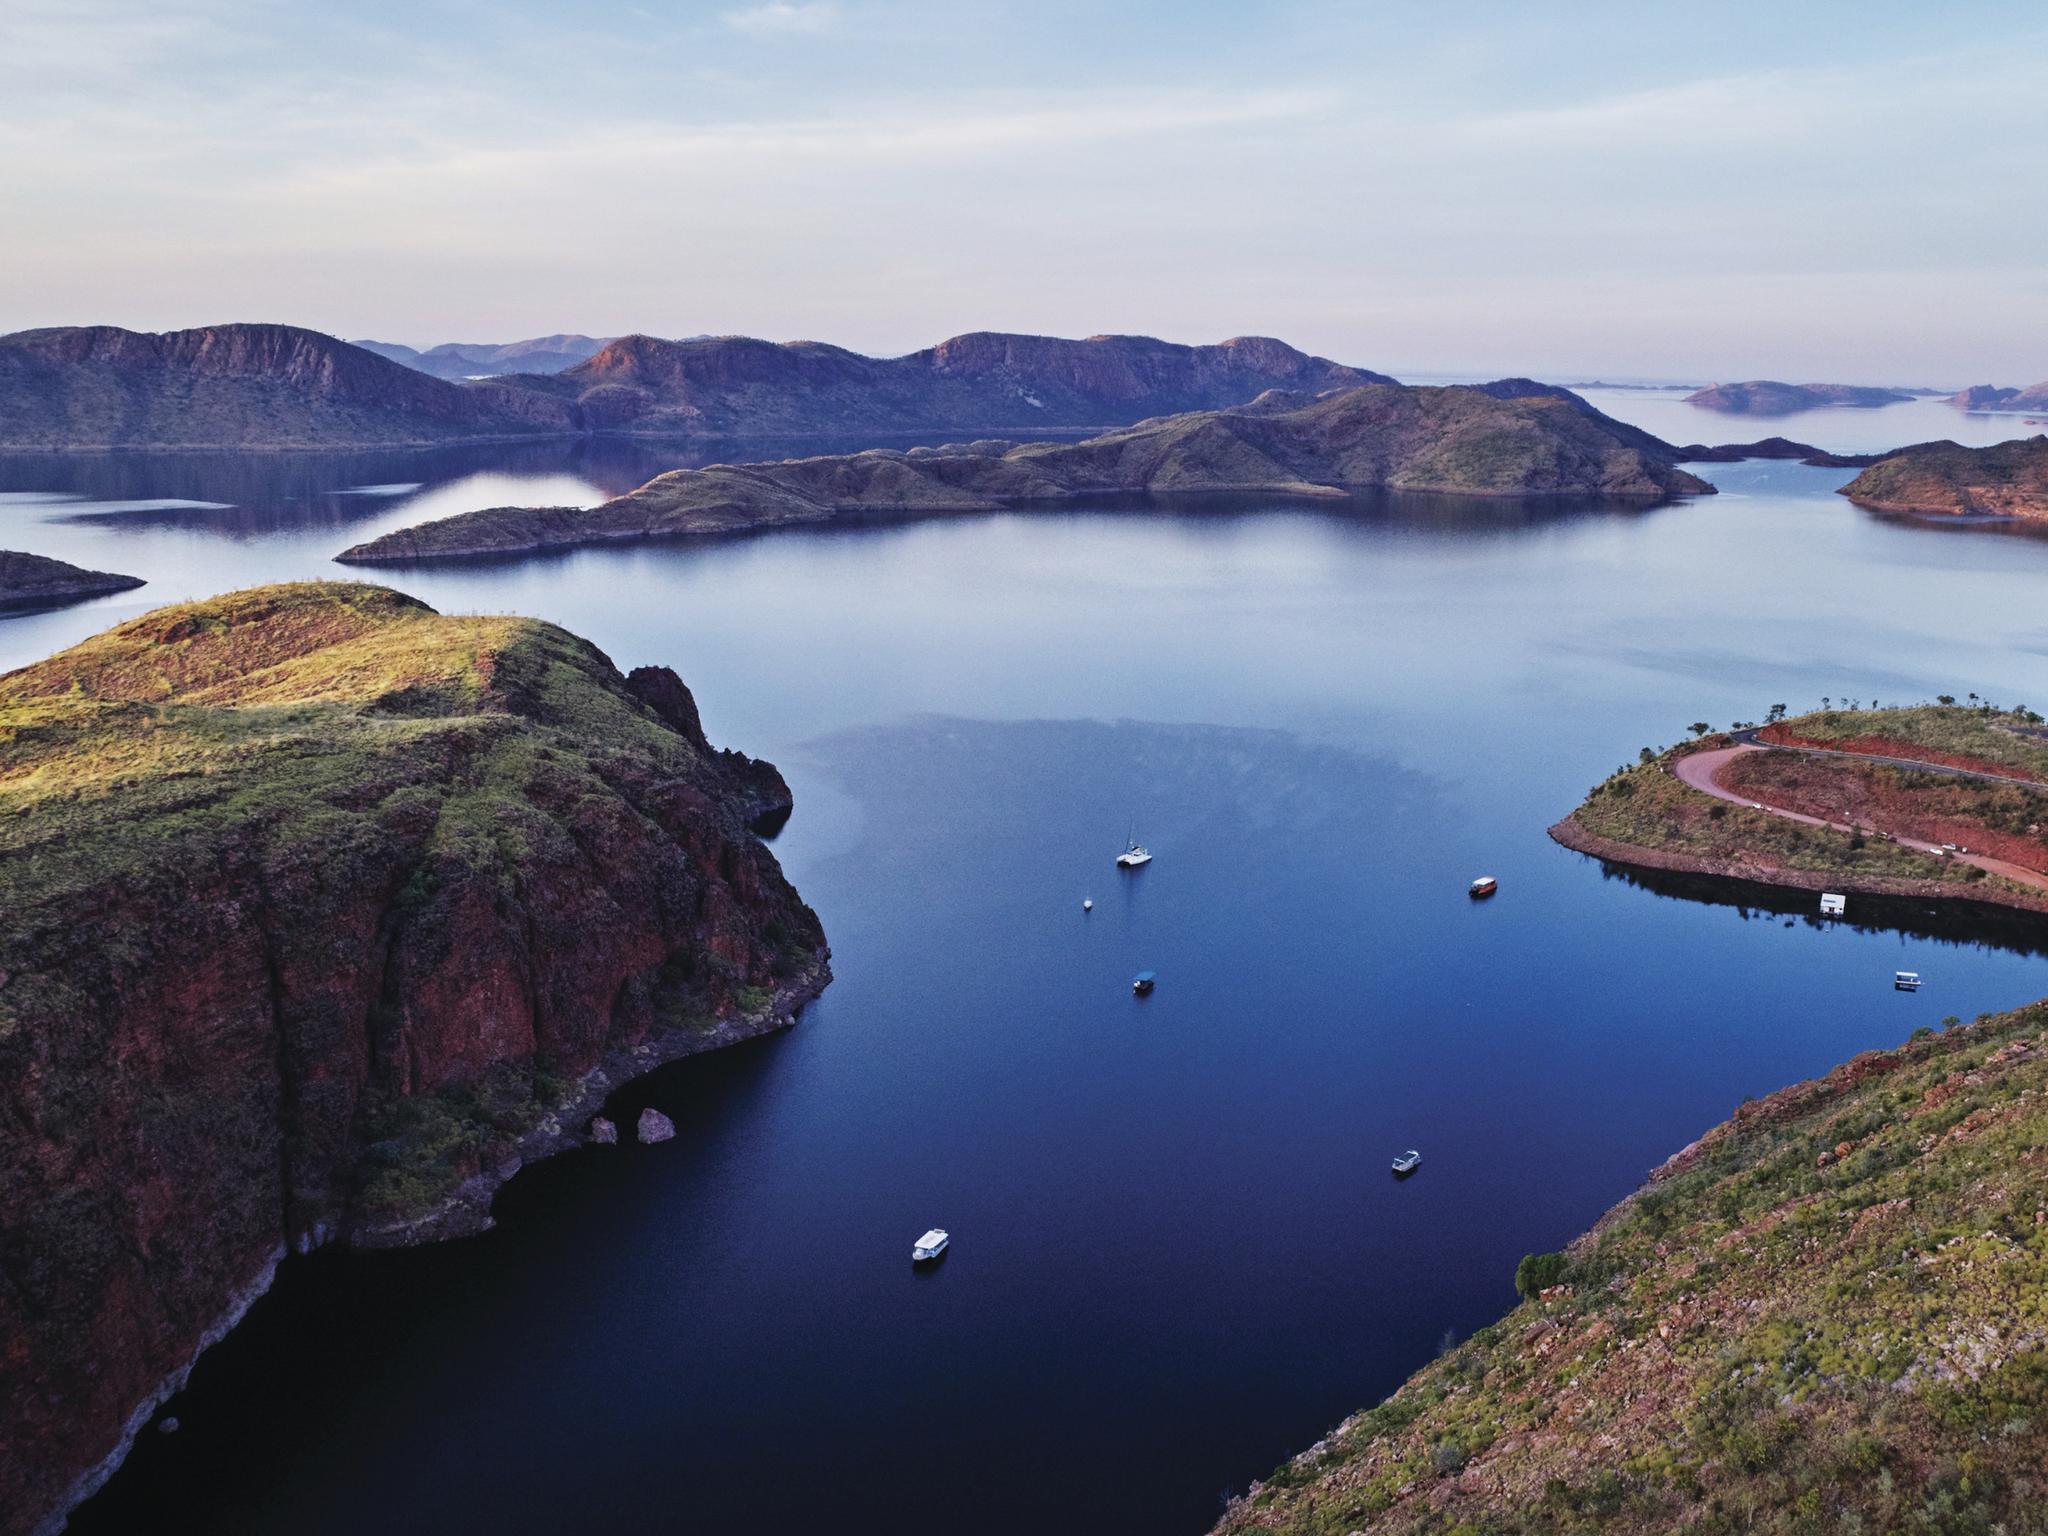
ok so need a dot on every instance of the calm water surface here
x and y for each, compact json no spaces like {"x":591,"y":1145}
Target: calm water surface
{"x":1178,"y":1255}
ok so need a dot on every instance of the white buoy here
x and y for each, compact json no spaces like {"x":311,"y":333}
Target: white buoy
{"x":1087,"y":905}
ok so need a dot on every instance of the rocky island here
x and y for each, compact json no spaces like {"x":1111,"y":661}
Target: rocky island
{"x":1377,"y":436}
{"x":1948,"y":480}
{"x":1945,"y":803}
{"x":1769,"y":397}
{"x":320,"y":912}
{"x":1998,"y":397}
{"x":1823,"y":1315}
{"x":36,"y":581}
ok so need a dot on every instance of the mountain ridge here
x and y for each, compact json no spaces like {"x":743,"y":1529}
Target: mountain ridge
{"x":279,"y":386}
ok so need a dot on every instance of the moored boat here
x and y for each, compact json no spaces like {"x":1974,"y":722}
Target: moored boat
{"x":930,"y":1246}
{"x":1485,"y":885}
{"x":1407,"y":1163}
{"x":1143,"y":982}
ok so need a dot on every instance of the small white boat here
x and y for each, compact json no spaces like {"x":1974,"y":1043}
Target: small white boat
{"x":1087,"y":905}
{"x":1133,"y":856}
{"x":930,"y":1246}
{"x":1906,"y":981}
{"x":1485,"y":885}
{"x":1833,"y":904}
{"x":1407,"y":1163}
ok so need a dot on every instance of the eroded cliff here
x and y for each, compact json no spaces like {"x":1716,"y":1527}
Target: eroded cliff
{"x":321,"y":912}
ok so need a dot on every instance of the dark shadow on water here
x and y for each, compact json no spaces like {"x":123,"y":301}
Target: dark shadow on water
{"x":1960,"y":922}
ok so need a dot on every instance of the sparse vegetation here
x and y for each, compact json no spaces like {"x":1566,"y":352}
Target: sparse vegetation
{"x":1829,"y":1314}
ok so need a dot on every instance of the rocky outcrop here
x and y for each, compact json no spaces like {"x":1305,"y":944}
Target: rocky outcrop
{"x":320,"y":913}
{"x":35,"y":581}
{"x":654,"y":1126}
{"x":241,"y":386}
{"x":1377,"y":436}
{"x":1946,"y":479}
{"x":1769,"y":397}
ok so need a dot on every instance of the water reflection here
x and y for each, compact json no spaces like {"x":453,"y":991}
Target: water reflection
{"x":1959,"y":922}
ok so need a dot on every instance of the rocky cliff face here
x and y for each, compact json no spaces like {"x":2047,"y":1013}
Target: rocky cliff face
{"x":1375,"y":436}
{"x":321,"y":912}
{"x":261,"y":386}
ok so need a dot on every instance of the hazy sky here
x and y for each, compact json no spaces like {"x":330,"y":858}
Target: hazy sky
{"x":1793,"y":189}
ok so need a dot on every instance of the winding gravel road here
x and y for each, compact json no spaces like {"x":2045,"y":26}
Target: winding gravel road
{"x":1702,"y":771}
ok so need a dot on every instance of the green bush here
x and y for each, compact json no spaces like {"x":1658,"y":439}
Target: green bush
{"x":1539,"y":1272}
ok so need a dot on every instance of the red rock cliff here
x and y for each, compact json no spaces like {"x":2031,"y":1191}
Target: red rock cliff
{"x":321,"y":911}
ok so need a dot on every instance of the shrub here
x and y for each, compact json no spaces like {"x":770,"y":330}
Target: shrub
{"x":1539,"y":1272}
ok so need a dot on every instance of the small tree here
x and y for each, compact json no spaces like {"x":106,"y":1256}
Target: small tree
{"x":1944,"y":699}
{"x":1775,"y":713}
{"x":1700,"y":727}
{"x":1538,"y":1272}
{"x":1645,"y":756}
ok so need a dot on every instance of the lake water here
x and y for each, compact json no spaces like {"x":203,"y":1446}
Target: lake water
{"x":1178,"y":1255}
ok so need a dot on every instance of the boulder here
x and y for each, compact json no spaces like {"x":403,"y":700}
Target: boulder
{"x":655,"y":1126}
{"x":603,"y":1131}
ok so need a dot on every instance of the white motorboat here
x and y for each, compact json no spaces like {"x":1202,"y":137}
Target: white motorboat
{"x":1407,"y":1163}
{"x":930,"y":1246}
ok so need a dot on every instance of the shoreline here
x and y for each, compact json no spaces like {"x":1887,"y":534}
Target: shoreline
{"x":1569,"y":834}
{"x":466,"y":1212}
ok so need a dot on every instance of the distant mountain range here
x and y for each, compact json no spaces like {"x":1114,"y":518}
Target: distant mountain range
{"x":1514,"y":438}
{"x":481,"y":359}
{"x":279,"y":386}
{"x":985,"y":382}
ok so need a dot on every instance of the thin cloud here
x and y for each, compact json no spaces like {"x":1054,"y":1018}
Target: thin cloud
{"x":783,"y":17}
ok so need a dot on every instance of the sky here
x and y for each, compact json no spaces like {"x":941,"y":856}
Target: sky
{"x":1809,"y":190}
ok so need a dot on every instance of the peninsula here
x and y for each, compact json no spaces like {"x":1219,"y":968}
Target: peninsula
{"x":1453,"y":439}
{"x":1941,"y":802}
{"x":1948,"y":480}
{"x":320,"y":912}
{"x":36,"y":581}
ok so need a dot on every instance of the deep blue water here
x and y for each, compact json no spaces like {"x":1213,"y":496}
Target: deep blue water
{"x":1178,"y":1254}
